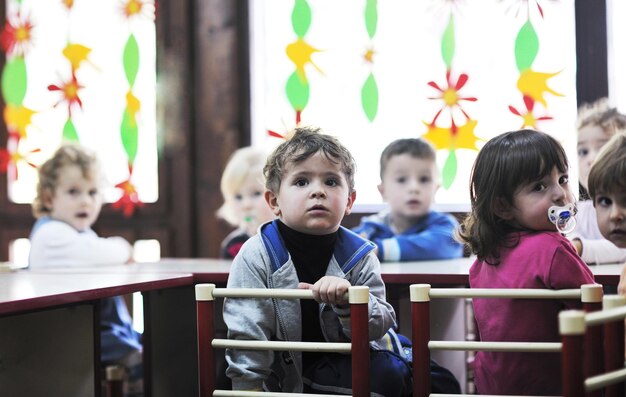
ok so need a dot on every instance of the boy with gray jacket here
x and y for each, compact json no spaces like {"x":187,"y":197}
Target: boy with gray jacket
{"x":310,"y":188}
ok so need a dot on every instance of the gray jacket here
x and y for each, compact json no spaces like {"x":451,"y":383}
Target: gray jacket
{"x":264,"y":262}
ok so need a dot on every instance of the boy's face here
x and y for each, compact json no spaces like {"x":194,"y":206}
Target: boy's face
{"x":75,"y":200}
{"x":314,"y":196}
{"x":409,"y":185}
{"x":611,"y":214}
{"x":249,"y":204}
{"x":591,"y":138}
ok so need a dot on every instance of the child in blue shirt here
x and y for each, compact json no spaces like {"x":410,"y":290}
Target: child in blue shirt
{"x":409,"y":230}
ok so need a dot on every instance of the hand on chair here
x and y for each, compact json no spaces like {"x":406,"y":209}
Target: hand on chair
{"x":329,"y":289}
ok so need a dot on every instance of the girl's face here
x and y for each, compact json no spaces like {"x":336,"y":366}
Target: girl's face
{"x":532,"y":201}
{"x":249,"y":204}
{"x":76,"y":200}
{"x":591,"y":138}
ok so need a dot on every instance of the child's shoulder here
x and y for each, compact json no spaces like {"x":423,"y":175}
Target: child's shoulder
{"x":48,"y":226}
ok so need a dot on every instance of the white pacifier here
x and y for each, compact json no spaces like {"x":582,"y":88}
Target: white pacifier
{"x":563,"y":217}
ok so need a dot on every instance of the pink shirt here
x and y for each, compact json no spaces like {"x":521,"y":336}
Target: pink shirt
{"x":539,"y":260}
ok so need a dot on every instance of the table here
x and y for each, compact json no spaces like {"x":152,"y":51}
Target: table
{"x":64,"y":301}
{"x":49,"y":328}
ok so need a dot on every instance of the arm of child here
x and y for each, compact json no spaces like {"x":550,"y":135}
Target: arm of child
{"x":434,"y":241}
{"x":599,"y":251}
{"x":380,"y":313}
{"x":248,"y":319}
{"x":58,"y":244}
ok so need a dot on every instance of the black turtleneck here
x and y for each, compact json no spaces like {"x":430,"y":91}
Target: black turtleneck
{"x":310,"y":255}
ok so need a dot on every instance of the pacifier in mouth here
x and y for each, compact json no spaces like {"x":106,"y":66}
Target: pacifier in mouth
{"x":563,"y":217}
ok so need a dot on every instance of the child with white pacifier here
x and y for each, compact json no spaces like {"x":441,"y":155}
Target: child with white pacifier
{"x":521,"y":202}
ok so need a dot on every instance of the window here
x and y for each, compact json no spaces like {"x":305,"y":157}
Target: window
{"x":454,"y":72}
{"x":81,"y":71}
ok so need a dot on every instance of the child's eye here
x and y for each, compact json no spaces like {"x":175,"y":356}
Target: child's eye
{"x":332,"y":182}
{"x":238,"y":197}
{"x":425,"y":179}
{"x":564,"y":179}
{"x":257,"y":193}
{"x":300,"y":182}
{"x":93,"y":192}
{"x":401,"y":179}
{"x":603,"y":201}
{"x":73,"y":191}
{"x":539,"y":187}
{"x":582,"y":152}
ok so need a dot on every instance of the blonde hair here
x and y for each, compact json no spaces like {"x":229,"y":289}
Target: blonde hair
{"x":243,"y":163}
{"x":601,"y":114}
{"x":49,"y":171}
{"x":608,"y":172}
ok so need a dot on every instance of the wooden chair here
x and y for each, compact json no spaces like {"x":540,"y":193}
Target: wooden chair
{"x":421,"y":294}
{"x":575,"y":327}
{"x":358,"y":297}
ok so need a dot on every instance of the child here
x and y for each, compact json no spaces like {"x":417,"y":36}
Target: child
{"x":409,"y":230}
{"x":607,"y":188}
{"x":516,"y":178}
{"x":310,"y":188}
{"x":597,"y":122}
{"x":244,"y":205}
{"x":68,"y":202}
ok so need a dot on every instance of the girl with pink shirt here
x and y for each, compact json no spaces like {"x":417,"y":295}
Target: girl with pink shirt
{"x":518,"y":182}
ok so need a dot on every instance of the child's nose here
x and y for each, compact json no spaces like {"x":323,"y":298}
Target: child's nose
{"x":617,"y":214}
{"x":317,"y":190}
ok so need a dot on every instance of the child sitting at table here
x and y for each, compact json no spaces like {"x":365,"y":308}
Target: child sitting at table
{"x":309,"y":183}
{"x":607,"y":188}
{"x":597,"y":122}
{"x":409,"y":229}
{"x":517,"y":178}
{"x":244,"y":206}
{"x":68,"y":202}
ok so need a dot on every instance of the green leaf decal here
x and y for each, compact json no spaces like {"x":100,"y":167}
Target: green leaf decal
{"x":131,"y":59}
{"x":369,"y":97}
{"x":301,"y":18}
{"x":69,"y":132}
{"x":130,"y":134}
{"x":14,"y":81}
{"x":448,"y":43}
{"x":371,"y":17}
{"x":297,"y":92}
{"x":526,"y":46}
{"x":449,"y":169}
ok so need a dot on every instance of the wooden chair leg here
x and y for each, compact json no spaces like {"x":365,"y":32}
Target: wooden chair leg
{"x":114,"y":375}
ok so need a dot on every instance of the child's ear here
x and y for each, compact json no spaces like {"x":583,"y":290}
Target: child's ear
{"x":272,"y":201}
{"x":351,"y":198}
{"x":381,"y":190}
{"x":46,"y":199}
{"x":503,"y":209}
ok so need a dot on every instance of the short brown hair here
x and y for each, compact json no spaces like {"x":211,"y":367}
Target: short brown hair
{"x":306,"y":142}
{"x":416,"y":147}
{"x":608,"y":172}
{"x":67,"y":154}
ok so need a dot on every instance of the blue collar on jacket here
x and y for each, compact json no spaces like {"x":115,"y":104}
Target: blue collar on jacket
{"x":349,"y":248}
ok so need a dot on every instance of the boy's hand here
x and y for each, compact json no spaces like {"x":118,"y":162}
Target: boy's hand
{"x":329,"y":289}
